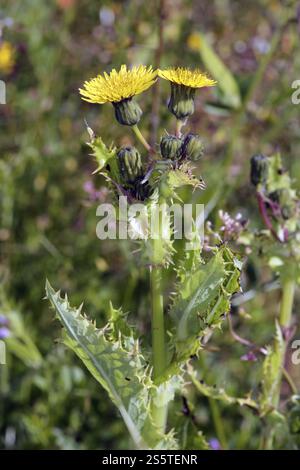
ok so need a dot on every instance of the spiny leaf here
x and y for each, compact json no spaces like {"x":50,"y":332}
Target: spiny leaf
{"x":195,"y":292}
{"x":102,"y":154}
{"x":118,"y":323}
{"x":120,"y":371}
{"x":183,"y":176}
{"x":115,"y":361}
{"x":219,"y":393}
{"x":202,"y":300}
{"x":270,"y":377}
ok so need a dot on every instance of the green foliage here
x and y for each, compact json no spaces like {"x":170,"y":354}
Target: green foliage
{"x":201,"y":300}
{"x":47,"y":217}
{"x":102,"y":154}
{"x":219,"y":393}
{"x":270,"y":379}
{"x":118,"y":365}
{"x":230,"y":90}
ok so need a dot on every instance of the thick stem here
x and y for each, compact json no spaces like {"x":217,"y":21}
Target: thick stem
{"x":158,"y":330}
{"x":159,"y":409}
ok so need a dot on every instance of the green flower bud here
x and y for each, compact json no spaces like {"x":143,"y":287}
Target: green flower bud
{"x":193,"y":147}
{"x":171,"y":147}
{"x":181,"y":102}
{"x":127,"y":112}
{"x":259,"y":169}
{"x":130,"y":164}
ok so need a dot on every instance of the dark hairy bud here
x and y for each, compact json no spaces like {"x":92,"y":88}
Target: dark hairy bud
{"x":259,"y":169}
{"x":127,"y":112}
{"x":193,"y":148}
{"x":130,"y":164}
{"x":171,"y":147}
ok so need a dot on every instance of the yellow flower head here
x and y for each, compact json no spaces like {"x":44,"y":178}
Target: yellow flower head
{"x":118,"y":86}
{"x":186,"y":77}
{"x":7,"y":57}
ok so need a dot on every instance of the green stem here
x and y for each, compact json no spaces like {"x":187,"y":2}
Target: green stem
{"x":179,"y":125}
{"x":158,"y":330}
{"x":159,"y":409}
{"x":286,"y":307}
{"x":141,"y":138}
{"x":285,"y":317}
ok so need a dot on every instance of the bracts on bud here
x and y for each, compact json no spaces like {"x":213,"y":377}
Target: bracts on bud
{"x":193,"y":147}
{"x":171,"y":147}
{"x":130,"y":164}
{"x":131,"y":172}
{"x":181,"y":102}
{"x":128,"y":112}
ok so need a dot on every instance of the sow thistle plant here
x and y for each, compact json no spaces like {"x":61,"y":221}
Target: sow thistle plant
{"x":140,"y":381}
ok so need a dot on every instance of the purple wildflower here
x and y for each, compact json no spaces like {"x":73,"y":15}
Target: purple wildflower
{"x":249,"y":356}
{"x":214,"y":444}
{"x":4,"y":332}
{"x":232,"y":226}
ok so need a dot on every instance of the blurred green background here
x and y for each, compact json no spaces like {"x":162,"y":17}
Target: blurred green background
{"x":49,"y":196}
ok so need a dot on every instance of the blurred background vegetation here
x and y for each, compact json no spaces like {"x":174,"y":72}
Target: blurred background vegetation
{"x":49,"y":197}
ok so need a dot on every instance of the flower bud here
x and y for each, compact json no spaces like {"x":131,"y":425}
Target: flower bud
{"x":171,"y":147}
{"x":181,"y":102}
{"x":193,"y":147}
{"x":259,"y":169}
{"x":127,"y":112}
{"x":130,"y":164}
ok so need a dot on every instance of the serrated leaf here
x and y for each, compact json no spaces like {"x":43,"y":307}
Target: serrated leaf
{"x":231,"y":95}
{"x":118,"y":322}
{"x":102,"y":154}
{"x":219,"y":393}
{"x":183,"y":176}
{"x":195,"y":292}
{"x":202,"y":300}
{"x":120,"y":371}
{"x":116,"y":362}
{"x":270,"y":378}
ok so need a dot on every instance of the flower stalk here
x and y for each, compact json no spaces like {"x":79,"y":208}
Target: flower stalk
{"x":142,"y":139}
